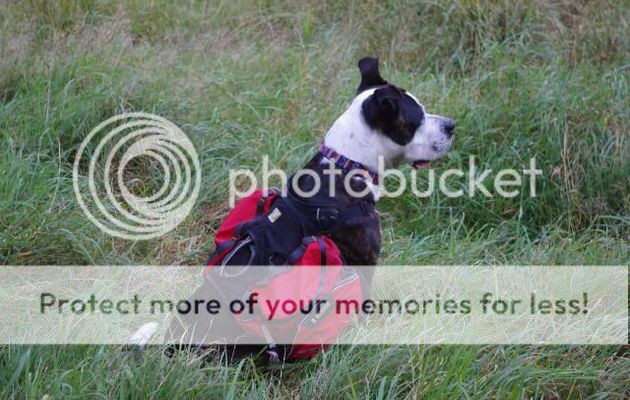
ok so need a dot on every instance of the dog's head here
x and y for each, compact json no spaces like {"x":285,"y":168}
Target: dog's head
{"x":406,"y":131}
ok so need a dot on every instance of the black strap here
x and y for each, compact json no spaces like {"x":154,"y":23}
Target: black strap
{"x":299,"y":252}
{"x":228,"y":244}
{"x":322,"y":251}
{"x":260,"y":207}
{"x":326,"y":216}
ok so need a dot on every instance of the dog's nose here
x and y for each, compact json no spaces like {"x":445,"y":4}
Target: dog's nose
{"x":449,"y":126}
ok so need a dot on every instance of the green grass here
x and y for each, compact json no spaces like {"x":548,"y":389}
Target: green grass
{"x":242,"y":79}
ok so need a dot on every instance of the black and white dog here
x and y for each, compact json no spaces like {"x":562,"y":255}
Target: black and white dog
{"x":383,"y":122}
{"x":387,"y":122}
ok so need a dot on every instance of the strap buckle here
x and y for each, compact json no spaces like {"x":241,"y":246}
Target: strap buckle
{"x":326,"y":217}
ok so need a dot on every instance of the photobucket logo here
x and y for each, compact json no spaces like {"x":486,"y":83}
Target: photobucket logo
{"x":454,"y":182}
{"x":135,"y":151}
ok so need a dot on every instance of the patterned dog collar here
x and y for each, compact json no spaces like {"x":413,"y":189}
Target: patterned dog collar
{"x":348,"y":165}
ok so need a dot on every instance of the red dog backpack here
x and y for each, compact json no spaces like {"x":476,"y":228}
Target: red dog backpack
{"x":266,"y":245}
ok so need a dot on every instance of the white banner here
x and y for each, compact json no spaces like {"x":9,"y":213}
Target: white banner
{"x":407,"y":305}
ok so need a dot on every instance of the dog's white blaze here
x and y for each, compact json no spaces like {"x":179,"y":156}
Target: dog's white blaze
{"x":430,"y":141}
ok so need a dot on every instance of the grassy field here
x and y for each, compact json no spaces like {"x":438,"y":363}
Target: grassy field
{"x":544,"y":79}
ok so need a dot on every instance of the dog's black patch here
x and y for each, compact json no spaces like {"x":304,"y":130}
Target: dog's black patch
{"x":393,"y":113}
{"x":370,"y":77}
{"x":389,"y":109}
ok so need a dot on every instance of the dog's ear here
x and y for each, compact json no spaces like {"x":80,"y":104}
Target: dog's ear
{"x":370,"y":76}
{"x":388,"y":100}
{"x":382,"y":111}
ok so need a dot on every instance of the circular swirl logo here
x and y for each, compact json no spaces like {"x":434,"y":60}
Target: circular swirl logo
{"x":143,"y":176}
